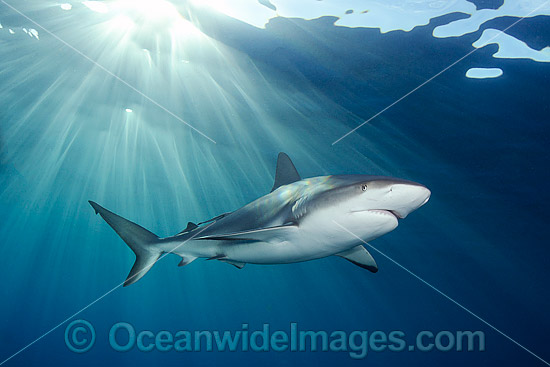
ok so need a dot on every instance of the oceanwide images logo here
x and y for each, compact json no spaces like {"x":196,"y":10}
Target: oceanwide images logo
{"x":80,"y":337}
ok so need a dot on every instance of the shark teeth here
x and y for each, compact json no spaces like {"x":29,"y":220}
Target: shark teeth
{"x":384,"y":212}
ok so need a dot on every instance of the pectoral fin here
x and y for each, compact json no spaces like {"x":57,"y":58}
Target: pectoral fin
{"x":360,"y":257}
{"x":254,"y":235}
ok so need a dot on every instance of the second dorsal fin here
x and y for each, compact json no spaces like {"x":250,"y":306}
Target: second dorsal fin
{"x":285,"y":173}
{"x":190,"y":226}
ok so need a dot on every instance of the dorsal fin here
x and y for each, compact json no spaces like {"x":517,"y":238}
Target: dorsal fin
{"x":286,"y":172}
{"x":190,"y":226}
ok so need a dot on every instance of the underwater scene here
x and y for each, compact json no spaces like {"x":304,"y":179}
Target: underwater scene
{"x":274,"y":182}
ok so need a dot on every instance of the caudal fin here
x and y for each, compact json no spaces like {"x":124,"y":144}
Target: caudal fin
{"x":137,"y":238}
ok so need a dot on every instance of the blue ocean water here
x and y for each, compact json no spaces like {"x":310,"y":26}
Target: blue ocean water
{"x":122,"y":132}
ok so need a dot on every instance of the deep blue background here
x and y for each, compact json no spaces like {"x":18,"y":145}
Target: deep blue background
{"x":479,"y":145}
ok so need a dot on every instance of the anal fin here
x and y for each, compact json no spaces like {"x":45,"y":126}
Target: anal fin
{"x":360,"y":257}
{"x":236,"y":264}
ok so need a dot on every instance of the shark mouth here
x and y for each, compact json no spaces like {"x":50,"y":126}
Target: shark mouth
{"x":386,"y":212}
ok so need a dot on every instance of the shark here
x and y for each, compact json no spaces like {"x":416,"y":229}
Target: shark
{"x":298,"y":220}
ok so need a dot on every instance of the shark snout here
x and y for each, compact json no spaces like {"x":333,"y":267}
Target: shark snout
{"x":406,"y":198}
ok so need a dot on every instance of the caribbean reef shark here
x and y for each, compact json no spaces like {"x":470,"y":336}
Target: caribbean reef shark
{"x":299,"y":220}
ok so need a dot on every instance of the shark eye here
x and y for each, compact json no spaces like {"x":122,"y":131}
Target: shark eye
{"x":364,"y":187}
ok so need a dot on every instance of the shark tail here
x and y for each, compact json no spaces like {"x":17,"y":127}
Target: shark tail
{"x":137,"y":238}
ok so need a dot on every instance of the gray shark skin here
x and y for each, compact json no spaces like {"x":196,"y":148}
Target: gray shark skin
{"x":299,"y":220}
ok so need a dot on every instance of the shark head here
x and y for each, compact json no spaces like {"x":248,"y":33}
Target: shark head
{"x":378,"y":193}
{"x":368,"y":206}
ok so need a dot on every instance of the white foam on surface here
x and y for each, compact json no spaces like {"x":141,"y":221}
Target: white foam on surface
{"x":66,"y":6}
{"x":510,"y":47}
{"x":517,"y":8}
{"x":386,"y":15}
{"x":483,"y":73}
{"x":393,"y":15}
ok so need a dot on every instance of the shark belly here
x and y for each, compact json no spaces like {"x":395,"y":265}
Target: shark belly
{"x":315,"y":238}
{"x":274,"y":251}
